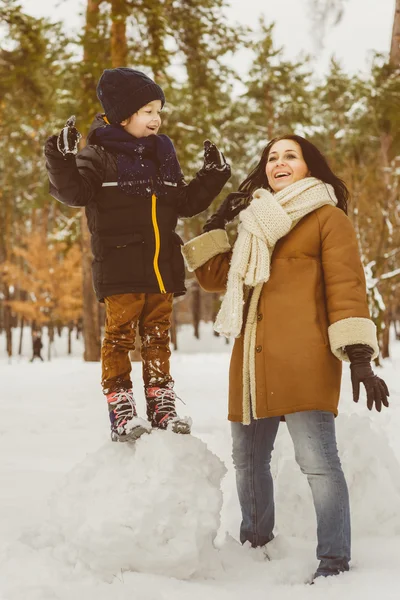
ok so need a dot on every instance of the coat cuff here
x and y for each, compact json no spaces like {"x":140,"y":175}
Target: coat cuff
{"x":199,"y":250}
{"x":354,"y":330}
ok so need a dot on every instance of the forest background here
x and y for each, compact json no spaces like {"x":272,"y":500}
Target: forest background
{"x":47,"y":74}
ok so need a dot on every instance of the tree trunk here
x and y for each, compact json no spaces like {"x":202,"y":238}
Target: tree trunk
{"x":8,"y":328}
{"x":70,"y":330}
{"x":50,"y":333}
{"x":119,"y":46}
{"x":91,"y":327}
{"x":395,"y":44}
{"x":79,"y":328}
{"x":215,"y":308}
{"x":21,"y":335}
{"x":389,"y":318}
{"x":385,"y":345}
{"x":5,"y":245}
{"x":396,"y":325}
{"x":386,"y":140}
{"x":196,"y":307}
{"x":88,"y":102}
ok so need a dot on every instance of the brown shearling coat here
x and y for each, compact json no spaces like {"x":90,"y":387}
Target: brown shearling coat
{"x":313,"y":305}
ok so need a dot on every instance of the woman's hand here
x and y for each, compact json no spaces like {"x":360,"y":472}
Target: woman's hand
{"x":361,"y":371}
{"x":227,"y":211}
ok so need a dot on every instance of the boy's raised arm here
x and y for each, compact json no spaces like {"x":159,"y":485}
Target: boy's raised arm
{"x":73,"y":180}
{"x":197,"y":196}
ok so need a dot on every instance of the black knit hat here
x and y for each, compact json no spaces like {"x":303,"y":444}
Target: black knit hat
{"x":123,"y":91}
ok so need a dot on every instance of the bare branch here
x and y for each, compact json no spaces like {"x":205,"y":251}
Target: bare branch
{"x":324,"y":15}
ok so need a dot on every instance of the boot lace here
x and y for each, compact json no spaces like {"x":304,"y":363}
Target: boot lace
{"x":165,"y":402}
{"x":124,"y":406}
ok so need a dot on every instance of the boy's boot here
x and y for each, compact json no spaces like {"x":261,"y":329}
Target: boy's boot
{"x":161,"y":410}
{"x":126,"y":426}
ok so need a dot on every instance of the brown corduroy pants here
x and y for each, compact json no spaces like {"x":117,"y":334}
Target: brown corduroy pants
{"x":124,"y":313}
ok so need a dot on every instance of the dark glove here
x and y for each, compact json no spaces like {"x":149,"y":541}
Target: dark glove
{"x":50,"y":147}
{"x":227,"y":211}
{"x":361,"y":371}
{"x":213,"y":158}
{"x":68,"y":139}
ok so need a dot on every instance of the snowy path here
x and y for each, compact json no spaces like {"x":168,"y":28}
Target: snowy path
{"x":54,"y":434}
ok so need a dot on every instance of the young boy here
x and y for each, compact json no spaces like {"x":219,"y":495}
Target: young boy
{"x":129,"y":180}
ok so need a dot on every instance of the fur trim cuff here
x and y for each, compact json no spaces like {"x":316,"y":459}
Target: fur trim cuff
{"x":354,"y":330}
{"x":203,"y":247}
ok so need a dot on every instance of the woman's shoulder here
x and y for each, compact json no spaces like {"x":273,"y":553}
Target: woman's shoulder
{"x":334,"y":224}
{"x":331,"y":214}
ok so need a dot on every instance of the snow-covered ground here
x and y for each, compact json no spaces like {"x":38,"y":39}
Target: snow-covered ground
{"x":83,"y":518}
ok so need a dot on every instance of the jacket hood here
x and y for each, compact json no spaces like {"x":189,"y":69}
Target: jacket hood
{"x":98,"y":121}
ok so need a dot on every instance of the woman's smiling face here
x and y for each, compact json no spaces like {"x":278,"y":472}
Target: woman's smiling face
{"x":285,"y":164}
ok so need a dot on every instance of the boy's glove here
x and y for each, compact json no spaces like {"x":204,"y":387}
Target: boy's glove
{"x":213,"y":158}
{"x":361,"y":371}
{"x":229,"y":209}
{"x":68,"y":139}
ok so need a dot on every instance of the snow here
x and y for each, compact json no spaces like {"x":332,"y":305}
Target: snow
{"x":391,"y":274}
{"x":93,"y":521}
{"x":81,"y":517}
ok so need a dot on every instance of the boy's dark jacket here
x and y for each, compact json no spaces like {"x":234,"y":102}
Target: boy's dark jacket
{"x":134,"y":243}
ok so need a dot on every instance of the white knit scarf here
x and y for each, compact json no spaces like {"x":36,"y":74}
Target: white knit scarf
{"x":267,"y":218}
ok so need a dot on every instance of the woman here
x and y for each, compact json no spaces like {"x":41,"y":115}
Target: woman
{"x":296,"y":302}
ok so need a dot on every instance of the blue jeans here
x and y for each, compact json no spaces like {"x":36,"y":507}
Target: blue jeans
{"x":314,"y":440}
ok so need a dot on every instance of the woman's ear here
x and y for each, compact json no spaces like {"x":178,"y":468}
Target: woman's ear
{"x":124,"y":122}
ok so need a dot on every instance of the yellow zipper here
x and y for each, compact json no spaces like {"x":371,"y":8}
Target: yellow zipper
{"x":157,"y":238}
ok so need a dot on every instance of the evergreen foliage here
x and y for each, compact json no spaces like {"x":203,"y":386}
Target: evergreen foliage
{"x":189,"y":48}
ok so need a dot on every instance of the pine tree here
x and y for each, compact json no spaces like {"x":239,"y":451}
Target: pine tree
{"x":355,"y":118}
{"x":278,"y":90}
{"x":32,"y":54}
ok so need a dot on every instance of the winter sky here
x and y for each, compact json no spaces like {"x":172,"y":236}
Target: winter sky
{"x":365,"y":27}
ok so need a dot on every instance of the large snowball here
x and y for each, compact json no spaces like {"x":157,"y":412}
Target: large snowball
{"x":152,"y":507}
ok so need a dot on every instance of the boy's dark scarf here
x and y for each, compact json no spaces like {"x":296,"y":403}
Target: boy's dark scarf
{"x":145,"y":165}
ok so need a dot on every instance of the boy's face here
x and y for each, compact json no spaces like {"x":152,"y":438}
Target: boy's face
{"x":146,"y":121}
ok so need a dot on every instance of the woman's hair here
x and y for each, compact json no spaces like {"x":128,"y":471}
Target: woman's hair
{"x":316,"y":163}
